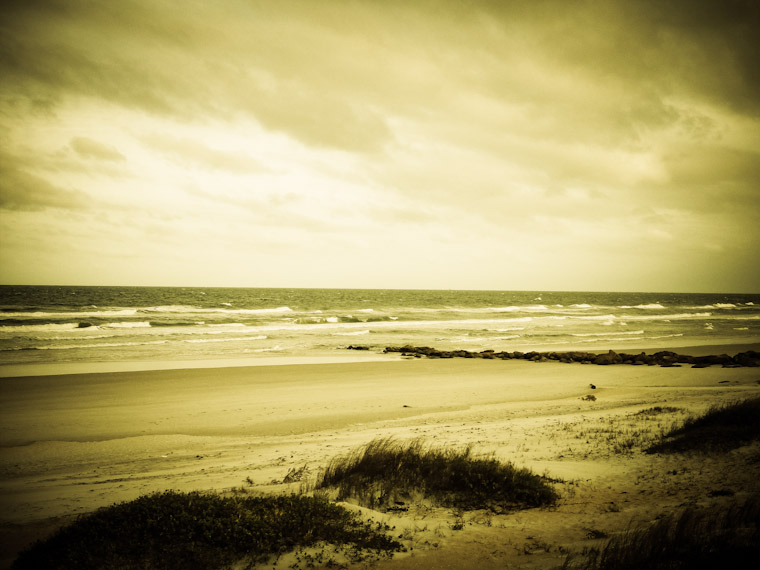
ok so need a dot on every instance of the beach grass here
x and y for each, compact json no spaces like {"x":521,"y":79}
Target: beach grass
{"x":386,"y":473}
{"x":692,"y":539}
{"x":721,"y":428}
{"x":199,"y":531}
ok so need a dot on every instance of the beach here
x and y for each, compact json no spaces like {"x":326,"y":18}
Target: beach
{"x":71,"y":443}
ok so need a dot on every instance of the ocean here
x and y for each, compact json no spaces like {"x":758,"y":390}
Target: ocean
{"x":58,"y":325}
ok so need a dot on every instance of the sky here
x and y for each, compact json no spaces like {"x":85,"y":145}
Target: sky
{"x":504,"y":145}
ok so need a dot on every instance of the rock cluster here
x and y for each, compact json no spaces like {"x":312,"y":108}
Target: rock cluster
{"x":662,"y":358}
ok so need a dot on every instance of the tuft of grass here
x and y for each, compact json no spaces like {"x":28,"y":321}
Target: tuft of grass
{"x":721,"y":428}
{"x":200,"y":531}
{"x":656,"y":411}
{"x":386,"y":472}
{"x":693,"y":539}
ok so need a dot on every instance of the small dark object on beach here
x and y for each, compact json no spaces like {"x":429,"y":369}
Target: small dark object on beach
{"x":592,"y":386}
{"x":352,"y":347}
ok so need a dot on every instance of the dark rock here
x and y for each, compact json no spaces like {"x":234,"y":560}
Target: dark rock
{"x":611,"y":357}
{"x":665,"y":357}
{"x":352,"y":347}
{"x":750,"y":358}
{"x":84,"y":325}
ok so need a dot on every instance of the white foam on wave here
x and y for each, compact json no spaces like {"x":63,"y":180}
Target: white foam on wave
{"x":276,"y":348}
{"x":99,"y":345}
{"x":235,"y":339}
{"x":127,"y":325}
{"x":648,"y":306}
{"x":717,"y":306}
{"x":42,"y":328}
{"x":741,"y":328}
{"x":71,"y":314}
{"x":675,"y":316}
{"x":609,"y":333}
{"x":353,"y":333}
{"x":467,"y":338}
{"x":512,"y":309}
{"x":579,"y":306}
{"x":82,"y":337}
{"x":366,"y":311}
{"x":597,"y":318}
{"x":201,"y":310}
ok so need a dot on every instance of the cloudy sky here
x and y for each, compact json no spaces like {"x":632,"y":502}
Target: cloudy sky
{"x":538,"y":145}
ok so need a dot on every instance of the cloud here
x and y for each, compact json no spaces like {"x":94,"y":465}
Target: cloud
{"x":193,"y":153}
{"x":528,"y":131}
{"x":23,"y":191}
{"x":89,"y":148}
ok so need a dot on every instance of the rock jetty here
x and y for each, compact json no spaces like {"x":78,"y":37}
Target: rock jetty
{"x":661,"y":358}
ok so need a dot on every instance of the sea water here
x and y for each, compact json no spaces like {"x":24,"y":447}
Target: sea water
{"x":57,"y":325}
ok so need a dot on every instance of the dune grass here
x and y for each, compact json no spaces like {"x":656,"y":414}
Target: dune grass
{"x":721,"y":428}
{"x":199,"y":531}
{"x":386,"y":472}
{"x":719,"y":537}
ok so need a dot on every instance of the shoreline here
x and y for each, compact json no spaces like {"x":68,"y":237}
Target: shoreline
{"x":373,"y":354}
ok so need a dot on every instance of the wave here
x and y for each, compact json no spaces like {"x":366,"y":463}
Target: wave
{"x":718,"y":306}
{"x":648,"y":306}
{"x":477,"y":338}
{"x":238,"y":339}
{"x":609,"y":333}
{"x":276,"y":348}
{"x":513,"y":308}
{"x":127,"y":325}
{"x":353,"y":333}
{"x":92,"y":345}
{"x":676,"y":316}
{"x":71,"y":314}
{"x":597,"y":317}
{"x":87,"y":337}
{"x":42,"y":327}
{"x":202,"y":310}
{"x":579,"y":306}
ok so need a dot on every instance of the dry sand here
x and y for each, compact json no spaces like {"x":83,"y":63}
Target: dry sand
{"x":72,"y":443}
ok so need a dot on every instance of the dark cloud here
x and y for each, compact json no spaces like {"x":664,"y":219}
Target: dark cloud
{"x":180,"y":64}
{"x":89,"y":148}
{"x":23,"y":191}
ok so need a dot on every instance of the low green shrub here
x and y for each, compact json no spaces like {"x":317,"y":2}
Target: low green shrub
{"x":721,"y":428}
{"x":386,"y":471}
{"x":200,"y":531}
{"x":727,"y":537}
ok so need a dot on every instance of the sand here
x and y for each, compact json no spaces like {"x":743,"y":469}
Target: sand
{"x":72,"y":443}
